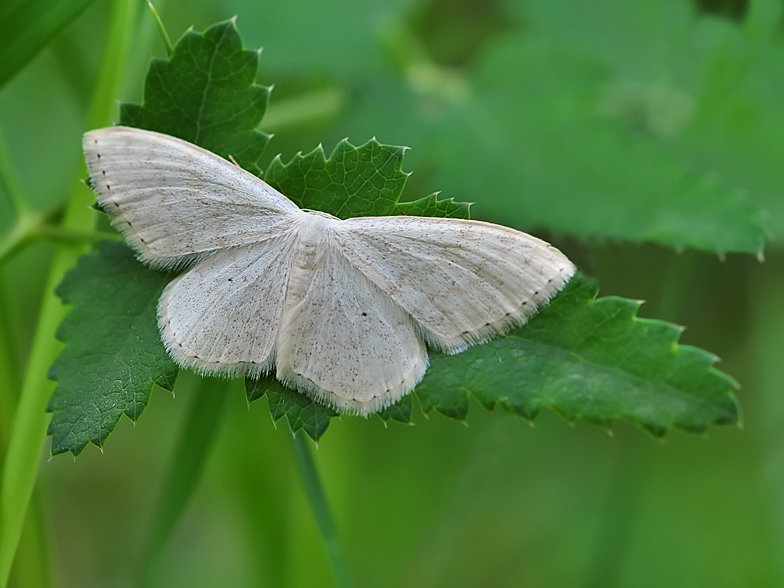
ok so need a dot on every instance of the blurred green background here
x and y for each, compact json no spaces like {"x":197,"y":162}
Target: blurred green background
{"x":507,"y":104}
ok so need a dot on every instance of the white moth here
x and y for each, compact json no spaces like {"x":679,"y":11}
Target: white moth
{"x":341,"y":310}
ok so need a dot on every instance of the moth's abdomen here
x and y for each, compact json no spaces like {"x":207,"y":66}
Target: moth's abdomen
{"x":313,"y":243}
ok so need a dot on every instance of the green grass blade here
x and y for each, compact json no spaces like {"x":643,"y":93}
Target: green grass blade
{"x":26,"y":28}
{"x":321,"y":511}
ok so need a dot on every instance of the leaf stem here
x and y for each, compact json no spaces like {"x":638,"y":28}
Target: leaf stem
{"x":31,"y":227}
{"x":161,"y":29}
{"x":20,"y":233}
{"x":66,"y":235}
{"x":318,"y":503}
{"x":28,"y":429}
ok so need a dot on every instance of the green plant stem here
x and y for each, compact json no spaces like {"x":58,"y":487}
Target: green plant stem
{"x":184,"y":472}
{"x":677,"y":286}
{"x":9,"y":180}
{"x":28,"y":430}
{"x":9,"y":376}
{"x":33,"y":561}
{"x":303,"y":110}
{"x":625,"y":497}
{"x":67,"y":235}
{"x":318,"y":503}
{"x":765,"y":350}
{"x":161,"y":29}
{"x":31,"y":227}
{"x":620,"y":517}
{"x":20,"y":233}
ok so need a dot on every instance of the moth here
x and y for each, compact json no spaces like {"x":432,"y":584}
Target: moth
{"x":343,"y":311}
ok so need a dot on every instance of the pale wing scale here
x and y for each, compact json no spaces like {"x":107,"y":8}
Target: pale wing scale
{"x":174,"y":201}
{"x":223,"y":316}
{"x":462,"y":281}
{"x":346,"y":343}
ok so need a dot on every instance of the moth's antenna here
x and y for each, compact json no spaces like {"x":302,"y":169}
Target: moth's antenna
{"x":234,"y":161}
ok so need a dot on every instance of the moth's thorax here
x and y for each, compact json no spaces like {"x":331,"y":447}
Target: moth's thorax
{"x":320,"y":213}
{"x":313,"y":234}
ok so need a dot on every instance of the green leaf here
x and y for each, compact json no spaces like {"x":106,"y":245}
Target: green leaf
{"x":205,"y":93}
{"x":432,"y":206}
{"x":402,"y":411}
{"x":577,"y":127}
{"x":612,"y":365}
{"x":113,"y":354}
{"x":590,"y":359}
{"x":299,"y":410}
{"x":27,"y":26}
{"x":355,"y":181}
{"x":346,"y":33}
{"x":584,"y":357}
